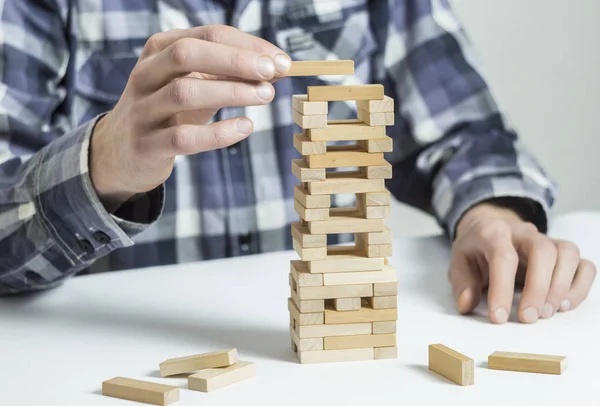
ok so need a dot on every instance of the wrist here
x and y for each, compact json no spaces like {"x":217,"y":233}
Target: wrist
{"x":486,"y":211}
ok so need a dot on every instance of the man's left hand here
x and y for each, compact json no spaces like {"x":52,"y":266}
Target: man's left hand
{"x":495,"y":249}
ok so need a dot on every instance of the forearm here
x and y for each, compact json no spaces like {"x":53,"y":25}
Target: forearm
{"x":53,"y":224}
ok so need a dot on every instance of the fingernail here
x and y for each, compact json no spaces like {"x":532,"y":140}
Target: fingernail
{"x":530,"y":315}
{"x":282,"y":63}
{"x":244,"y":126}
{"x":547,"y":310}
{"x":501,"y":315}
{"x":565,"y":306}
{"x":264,"y":91}
{"x":265,"y":66}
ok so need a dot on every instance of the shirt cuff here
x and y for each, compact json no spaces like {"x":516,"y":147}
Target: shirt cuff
{"x":71,"y":211}
{"x":530,"y":199}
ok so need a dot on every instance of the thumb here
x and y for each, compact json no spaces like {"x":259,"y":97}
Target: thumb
{"x":465,"y":279}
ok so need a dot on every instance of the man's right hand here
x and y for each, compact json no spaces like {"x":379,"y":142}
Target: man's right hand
{"x":180,"y":81}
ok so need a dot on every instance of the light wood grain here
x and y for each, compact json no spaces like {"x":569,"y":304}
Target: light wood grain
{"x":343,"y":92}
{"x":346,"y":182}
{"x":377,"y":145}
{"x":306,"y":174}
{"x":345,"y":156}
{"x":376,"y":106}
{"x":386,"y":352}
{"x":321,"y":68}
{"x":333,"y":330}
{"x":302,"y":275}
{"x":359,"y":341}
{"x":301,"y":234}
{"x":140,"y":391}
{"x":388,"y":274}
{"x":363,"y":315}
{"x":382,"y":302}
{"x":344,"y":223}
{"x":308,"y":122}
{"x":451,"y":364}
{"x":196,"y":362}
{"x":310,"y":214}
{"x":304,"y":319}
{"x":301,"y":104}
{"x":330,"y":356}
{"x":385,"y":289}
{"x":347,"y":304}
{"x":306,"y":344}
{"x":345,"y":131}
{"x":333,"y":292}
{"x":307,"y":147}
{"x":376,"y":119}
{"x":307,"y":306}
{"x":217,"y":378}
{"x":523,"y":362}
{"x":384,"y":171}
{"x":345,"y":259}
{"x":311,"y":201}
{"x":384,"y":327}
{"x":309,"y":254}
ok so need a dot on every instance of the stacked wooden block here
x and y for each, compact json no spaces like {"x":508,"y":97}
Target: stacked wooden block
{"x":343,"y":302}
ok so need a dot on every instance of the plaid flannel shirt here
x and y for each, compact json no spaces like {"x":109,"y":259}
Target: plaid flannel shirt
{"x":65,"y":62}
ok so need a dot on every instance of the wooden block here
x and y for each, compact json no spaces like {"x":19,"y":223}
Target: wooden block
{"x":334,"y":330}
{"x":301,"y":234}
{"x":334,"y":292}
{"x":522,"y":362}
{"x":304,"y":319}
{"x":386,"y":352}
{"x":345,"y":156}
{"x":342,"y":93}
{"x":301,"y":104}
{"x":308,"y":122}
{"x":377,"y":145}
{"x":321,"y":68}
{"x":213,"y":379}
{"x":308,"y":306}
{"x":382,"y":302}
{"x":378,"y":251}
{"x":388,"y":274}
{"x":384,"y":327}
{"x":385,"y":289}
{"x":311,"y":214}
{"x":384,"y":237}
{"x":337,"y":130}
{"x":364,"y":315}
{"x":383,"y":171}
{"x":306,"y":174}
{"x":306,"y":344}
{"x":347,"y":304}
{"x":303,"y":277}
{"x":330,"y":356}
{"x":374,"y":212}
{"x":140,"y":391}
{"x":309,"y":254}
{"x":382,"y":198}
{"x":361,"y":341}
{"x":345,"y":223}
{"x":345,"y":259}
{"x":307,"y":147}
{"x":376,"y":106}
{"x":196,"y":362}
{"x":311,"y":201}
{"x":376,"y":119}
{"x":452,"y":365}
{"x":346,"y":182}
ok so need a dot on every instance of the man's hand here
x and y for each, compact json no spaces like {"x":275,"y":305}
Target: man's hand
{"x":496,"y":249}
{"x":180,"y":81}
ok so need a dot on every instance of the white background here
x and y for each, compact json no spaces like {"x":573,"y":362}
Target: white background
{"x":542,"y":60}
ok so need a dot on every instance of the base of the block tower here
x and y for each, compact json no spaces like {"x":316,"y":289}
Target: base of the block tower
{"x":351,"y":355}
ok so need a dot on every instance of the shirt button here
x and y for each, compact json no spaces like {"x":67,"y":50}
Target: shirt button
{"x":233,"y":150}
{"x":101,"y":237}
{"x":86,"y":246}
{"x":245,"y":240}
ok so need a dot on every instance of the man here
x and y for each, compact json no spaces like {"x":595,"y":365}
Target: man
{"x":125,"y":140}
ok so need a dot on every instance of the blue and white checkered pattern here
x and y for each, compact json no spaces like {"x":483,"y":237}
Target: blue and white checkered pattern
{"x":65,"y":62}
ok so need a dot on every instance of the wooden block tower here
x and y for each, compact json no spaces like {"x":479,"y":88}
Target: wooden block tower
{"x":343,"y":302}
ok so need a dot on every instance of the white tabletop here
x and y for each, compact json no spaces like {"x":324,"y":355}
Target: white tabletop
{"x":56,"y":348}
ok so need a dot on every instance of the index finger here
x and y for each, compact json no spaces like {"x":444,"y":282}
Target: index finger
{"x":221,"y":34}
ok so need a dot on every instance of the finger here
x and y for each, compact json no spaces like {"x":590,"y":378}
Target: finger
{"x":502,"y":259}
{"x":541,"y":261}
{"x":582,"y":283}
{"x":220,"y":34}
{"x":192,"y":139}
{"x":567,"y":261}
{"x":196,"y":94}
{"x":466,"y":283}
{"x":192,"y":55}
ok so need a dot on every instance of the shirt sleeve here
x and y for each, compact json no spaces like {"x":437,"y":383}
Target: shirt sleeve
{"x":52,"y":224}
{"x":465,"y":151}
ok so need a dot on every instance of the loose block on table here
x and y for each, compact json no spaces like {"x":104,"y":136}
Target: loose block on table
{"x":451,"y":364}
{"x":523,"y":362}
{"x":216,"y":378}
{"x":140,"y":391}
{"x":196,"y":362}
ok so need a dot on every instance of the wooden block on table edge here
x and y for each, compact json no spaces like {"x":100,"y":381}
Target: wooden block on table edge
{"x":386,"y":352}
{"x":213,"y":379}
{"x":304,"y":319}
{"x":384,"y":327}
{"x":301,"y":104}
{"x":376,"y":106}
{"x":321,"y":68}
{"x":311,"y":201}
{"x":387,"y":274}
{"x":524,"y":362}
{"x":359,"y":341}
{"x":334,"y":330}
{"x":451,"y":364}
{"x":364,"y":315}
{"x":140,"y":391}
{"x":306,"y":174}
{"x":309,"y":122}
{"x":346,"y":304}
{"x":328,"y":356}
{"x":191,"y":363}
{"x":345,"y":92}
